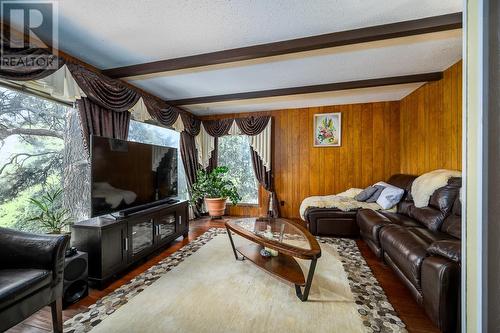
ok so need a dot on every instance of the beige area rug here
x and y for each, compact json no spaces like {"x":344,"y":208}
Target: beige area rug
{"x":202,"y":288}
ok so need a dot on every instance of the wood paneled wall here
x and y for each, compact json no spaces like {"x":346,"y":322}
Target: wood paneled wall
{"x":431,"y":125}
{"x":422,"y":132}
{"x":370,"y":152}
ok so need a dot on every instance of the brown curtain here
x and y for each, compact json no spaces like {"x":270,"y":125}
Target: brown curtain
{"x":265,"y":178}
{"x":213,"y":162}
{"x":252,"y":125}
{"x":108,"y":93}
{"x":189,"y":154}
{"x":218,"y":128}
{"x":162,"y":112}
{"x":97,"y":120}
{"x":191,"y":166}
{"x":26,"y":56}
{"x":191,"y":124}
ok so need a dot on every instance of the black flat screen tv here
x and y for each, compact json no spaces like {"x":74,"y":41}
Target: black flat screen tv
{"x":127,"y":174}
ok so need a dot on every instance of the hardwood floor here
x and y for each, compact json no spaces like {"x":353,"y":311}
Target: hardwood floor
{"x":409,"y":311}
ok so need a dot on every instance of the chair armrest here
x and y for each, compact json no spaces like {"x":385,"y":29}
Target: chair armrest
{"x":450,"y":249}
{"x":25,"y":250}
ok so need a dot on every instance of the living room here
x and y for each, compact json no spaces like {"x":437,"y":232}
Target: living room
{"x":237,"y":166}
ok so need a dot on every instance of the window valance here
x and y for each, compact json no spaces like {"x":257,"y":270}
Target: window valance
{"x":25,"y":56}
{"x":258,"y":128}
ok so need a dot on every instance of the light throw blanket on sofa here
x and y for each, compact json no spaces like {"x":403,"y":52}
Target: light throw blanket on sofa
{"x":424,"y":186}
{"x":343,"y":201}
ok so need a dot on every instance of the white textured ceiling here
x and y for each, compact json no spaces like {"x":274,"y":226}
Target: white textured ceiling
{"x":401,"y":56}
{"x":111,"y":33}
{"x":115,"y":33}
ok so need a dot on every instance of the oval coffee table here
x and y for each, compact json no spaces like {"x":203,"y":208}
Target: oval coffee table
{"x":291,"y":240}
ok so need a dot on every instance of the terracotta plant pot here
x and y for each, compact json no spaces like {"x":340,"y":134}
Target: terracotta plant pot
{"x":215,"y":206}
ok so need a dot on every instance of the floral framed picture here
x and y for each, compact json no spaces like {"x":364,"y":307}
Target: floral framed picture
{"x":327,"y":129}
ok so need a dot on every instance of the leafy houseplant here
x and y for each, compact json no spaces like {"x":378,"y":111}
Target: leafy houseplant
{"x":51,"y":215}
{"x":215,"y":188}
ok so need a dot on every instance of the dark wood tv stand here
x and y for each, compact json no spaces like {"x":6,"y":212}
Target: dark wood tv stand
{"x":114,"y":244}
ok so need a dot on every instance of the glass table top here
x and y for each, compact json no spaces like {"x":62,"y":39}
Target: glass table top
{"x":282,"y":230}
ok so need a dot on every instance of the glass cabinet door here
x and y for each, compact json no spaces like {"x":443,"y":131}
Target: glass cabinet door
{"x":165,"y":226}
{"x":142,"y":236}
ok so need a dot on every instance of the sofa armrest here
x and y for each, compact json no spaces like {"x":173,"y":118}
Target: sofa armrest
{"x":449,"y":249}
{"x":441,"y":292}
{"x":318,"y":217}
{"x":25,"y":250}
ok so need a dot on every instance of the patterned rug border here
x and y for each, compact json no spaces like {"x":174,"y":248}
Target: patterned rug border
{"x":376,"y":312}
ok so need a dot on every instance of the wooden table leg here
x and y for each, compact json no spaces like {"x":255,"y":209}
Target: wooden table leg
{"x":232,"y":245}
{"x":304,"y":295}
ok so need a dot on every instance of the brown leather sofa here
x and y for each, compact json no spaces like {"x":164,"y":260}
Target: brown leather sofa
{"x":337,"y":223}
{"x":31,"y":276}
{"x":423,"y":247}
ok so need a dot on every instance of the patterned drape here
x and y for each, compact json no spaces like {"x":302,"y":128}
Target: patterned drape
{"x":252,"y":125}
{"x":218,"y":128}
{"x":162,"y":112}
{"x":32,"y":55}
{"x":108,"y":93}
{"x":191,"y":166}
{"x":97,"y":120}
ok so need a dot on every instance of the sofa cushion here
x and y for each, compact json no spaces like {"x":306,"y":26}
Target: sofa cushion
{"x":15,"y":284}
{"x":450,"y":249}
{"x":452,"y":225}
{"x":439,"y":207}
{"x":402,"y":181}
{"x":444,"y":197}
{"x":429,"y":236}
{"x":401,"y":219}
{"x":365,"y":194}
{"x":370,"y":222}
{"x":390,"y":196}
{"x":406,"y":250}
{"x":376,"y":194}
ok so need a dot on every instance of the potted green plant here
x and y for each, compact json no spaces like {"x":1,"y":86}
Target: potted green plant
{"x":52,"y":216}
{"x":215,"y":188}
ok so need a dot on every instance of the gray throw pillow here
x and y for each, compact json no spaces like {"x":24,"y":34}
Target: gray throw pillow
{"x":376,"y":194}
{"x":365,"y":194}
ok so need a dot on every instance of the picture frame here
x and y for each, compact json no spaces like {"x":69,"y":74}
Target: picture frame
{"x":327,"y":130}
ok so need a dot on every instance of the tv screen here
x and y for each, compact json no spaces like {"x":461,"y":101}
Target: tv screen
{"x":129,"y":174}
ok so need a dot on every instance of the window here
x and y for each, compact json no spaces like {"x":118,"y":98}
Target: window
{"x":32,"y":132}
{"x":41,"y":148}
{"x":156,"y":135}
{"x":234,"y":152}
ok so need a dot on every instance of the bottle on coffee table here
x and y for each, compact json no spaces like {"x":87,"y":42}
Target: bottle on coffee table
{"x":269,"y":235}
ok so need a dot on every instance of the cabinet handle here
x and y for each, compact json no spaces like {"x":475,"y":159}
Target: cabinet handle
{"x":180,"y":219}
{"x":126,"y":243}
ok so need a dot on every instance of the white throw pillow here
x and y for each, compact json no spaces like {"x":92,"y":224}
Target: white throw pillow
{"x":390,"y":196}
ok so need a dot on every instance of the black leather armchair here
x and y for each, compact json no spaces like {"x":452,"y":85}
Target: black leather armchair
{"x":31,"y":276}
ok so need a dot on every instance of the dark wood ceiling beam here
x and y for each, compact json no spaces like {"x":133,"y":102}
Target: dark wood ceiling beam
{"x":379,"y":82}
{"x":362,"y":35}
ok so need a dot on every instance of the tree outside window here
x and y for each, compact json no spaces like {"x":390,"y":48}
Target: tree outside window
{"x":234,"y":152}
{"x":32,"y":133}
